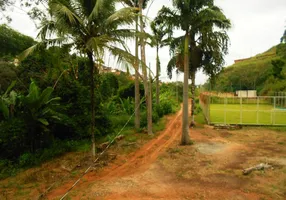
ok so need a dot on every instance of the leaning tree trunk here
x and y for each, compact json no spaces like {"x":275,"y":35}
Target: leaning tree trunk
{"x":185,"y":140}
{"x":137,"y":88}
{"x":157,"y":76}
{"x":92,"y":87}
{"x":193,"y":88}
{"x":145,"y":76}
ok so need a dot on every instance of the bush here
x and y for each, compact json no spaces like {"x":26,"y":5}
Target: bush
{"x":26,"y":159}
{"x":12,"y":138}
{"x":118,"y":121}
{"x":198,"y":109}
{"x":143,"y":118}
{"x":159,"y":110}
{"x":129,"y":91}
{"x":167,"y":107}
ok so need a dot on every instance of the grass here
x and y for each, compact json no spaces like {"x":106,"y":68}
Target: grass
{"x":251,"y":114}
{"x":200,"y":119}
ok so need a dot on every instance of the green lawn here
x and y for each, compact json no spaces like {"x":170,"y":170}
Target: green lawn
{"x":251,"y":114}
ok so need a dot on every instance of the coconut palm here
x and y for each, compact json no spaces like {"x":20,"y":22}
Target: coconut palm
{"x":198,"y":19}
{"x":147,"y":87}
{"x":91,"y":28}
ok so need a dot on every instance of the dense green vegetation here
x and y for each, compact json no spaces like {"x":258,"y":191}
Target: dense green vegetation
{"x":265,"y":72}
{"x":45,"y":105}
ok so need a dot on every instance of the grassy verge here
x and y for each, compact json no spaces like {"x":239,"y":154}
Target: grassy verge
{"x":27,"y":160}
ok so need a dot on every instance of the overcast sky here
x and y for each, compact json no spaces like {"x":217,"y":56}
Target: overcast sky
{"x":257,"y":25}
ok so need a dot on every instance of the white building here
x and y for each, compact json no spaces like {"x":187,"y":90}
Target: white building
{"x":246,"y":93}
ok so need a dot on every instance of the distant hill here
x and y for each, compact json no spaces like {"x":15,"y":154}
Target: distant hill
{"x":12,"y":42}
{"x":254,"y":73}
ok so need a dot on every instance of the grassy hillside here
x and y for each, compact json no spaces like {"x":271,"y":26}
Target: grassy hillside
{"x":254,"y":73}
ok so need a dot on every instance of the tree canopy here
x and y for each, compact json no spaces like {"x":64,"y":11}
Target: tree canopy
{"x":13,"y":42}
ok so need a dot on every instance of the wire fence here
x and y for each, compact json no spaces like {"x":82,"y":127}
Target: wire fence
{"x":261,"y":110}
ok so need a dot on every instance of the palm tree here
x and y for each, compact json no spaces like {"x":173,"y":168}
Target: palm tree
{"x":91,"y":27}
{"x":197,"y":18}
{"x":147,"y":87}
{"x":135,"y":4}
{"x":159,"y":32}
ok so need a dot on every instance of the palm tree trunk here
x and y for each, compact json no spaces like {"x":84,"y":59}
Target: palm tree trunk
{"x":137,"y":88}
{"x":150,"y":103}
{"x":193,"y":88}
{"x":92,"y":87}
{"x":157,"y":76}
{"x":145,"y":76}
{"x":185,"y":140}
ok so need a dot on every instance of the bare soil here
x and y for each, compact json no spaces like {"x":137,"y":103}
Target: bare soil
{"x":159,"y":168}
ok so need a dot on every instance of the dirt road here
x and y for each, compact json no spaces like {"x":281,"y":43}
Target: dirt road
{"x":137,"y":162}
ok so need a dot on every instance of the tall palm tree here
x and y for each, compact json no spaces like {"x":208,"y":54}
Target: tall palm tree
{"x":147,"y":88}
{"x":197,"y":18}
{"x":159,"y":32}
{"x":135,"y":4}
{"x":92,"y":28}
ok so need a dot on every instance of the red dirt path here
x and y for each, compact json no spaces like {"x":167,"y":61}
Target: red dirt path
{"x":138,"y":161}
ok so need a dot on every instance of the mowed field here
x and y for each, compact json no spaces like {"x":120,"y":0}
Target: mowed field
{"x":264,"y":114}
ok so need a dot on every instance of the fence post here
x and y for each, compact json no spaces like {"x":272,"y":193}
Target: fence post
{"x":274,"y":111}
{"x":225,"y":110}
{"x":257,"y":114}
{"x":240,"y":110}
{"x":209,"y":108}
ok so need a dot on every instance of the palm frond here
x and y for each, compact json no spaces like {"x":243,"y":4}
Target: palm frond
{"x":62,"y":10}
{"x":171,"y":66}
{"x":99,"y":8}
{"x":29,"y":51}
{"x":124,"y":16}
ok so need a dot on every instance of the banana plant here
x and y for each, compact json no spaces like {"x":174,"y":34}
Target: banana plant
{"x":39,"y":105}
{"x":38,"y":109}
{"x":8,"y":102}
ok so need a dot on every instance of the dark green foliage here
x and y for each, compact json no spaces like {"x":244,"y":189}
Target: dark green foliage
{"x":8,"y":73}
{"x":13,"y":140}
{"x":277,"y":68}
{"x":143,"y":118}
{"x":281,"y":50}
{"x":129,"y":90}
{"x":109,"y":86}
{"x":13,"y":42}
{"x":283,"y":38}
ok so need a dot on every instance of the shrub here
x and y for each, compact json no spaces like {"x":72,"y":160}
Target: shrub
{"x":143,"y":118}
{"x":12,"y":138}
{"x":159,"y":110}
{"x":167,"y":107}
{"x":26,"y":159}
